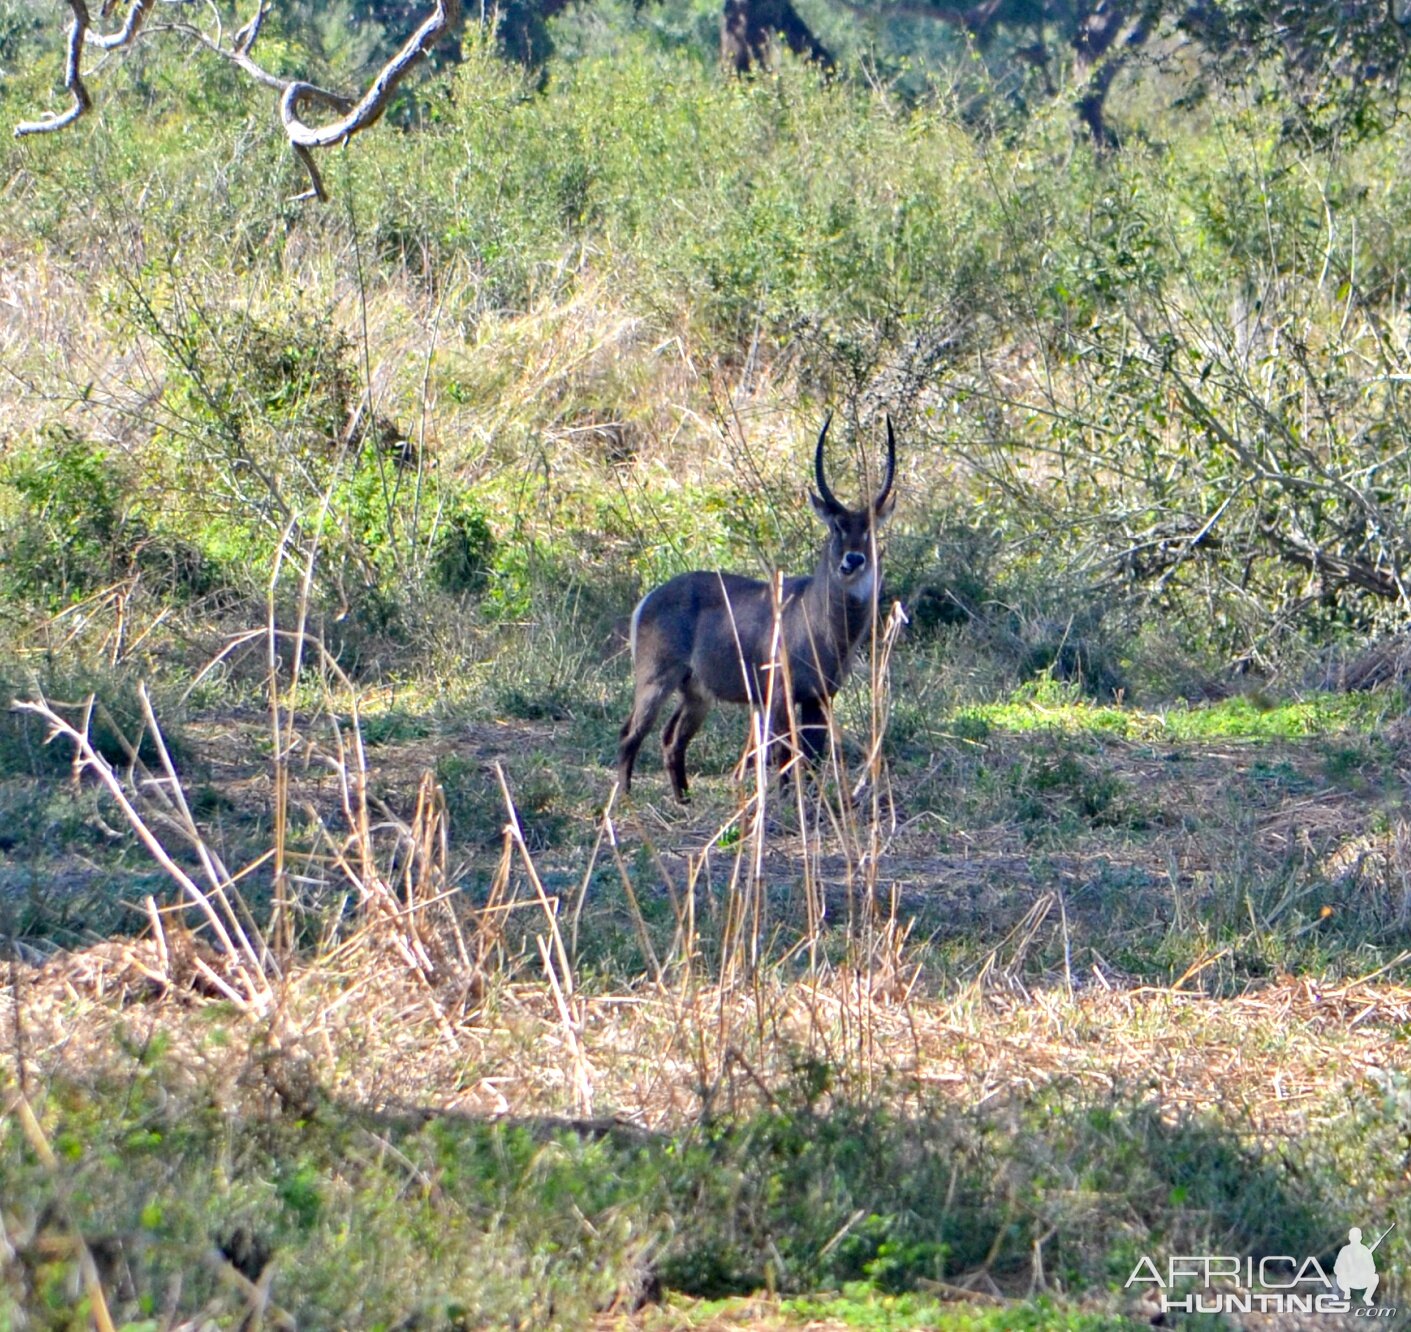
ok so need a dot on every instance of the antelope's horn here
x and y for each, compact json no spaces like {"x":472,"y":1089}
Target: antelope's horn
{"x":827,"y":495}
{"x":891,"y":467}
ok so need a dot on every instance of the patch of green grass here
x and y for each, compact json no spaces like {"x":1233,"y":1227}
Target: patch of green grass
{"x":395,"y":724}
{"x":1253,"y":716}
{"x":1064,"y":778}
{"x":862,"y":1306}
{"x":1279,"y":777}
{"x":1054,"y":705}
{"x":1361,"y":762}
{"x":474,"y":804}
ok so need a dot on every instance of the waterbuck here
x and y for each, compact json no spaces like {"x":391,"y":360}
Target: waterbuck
{"x":712,"y":636}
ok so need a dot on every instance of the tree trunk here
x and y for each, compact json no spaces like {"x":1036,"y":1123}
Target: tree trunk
{"x":747,"y":30}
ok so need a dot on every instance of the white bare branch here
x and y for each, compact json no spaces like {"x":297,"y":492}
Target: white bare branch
{"x":246,"y":960}
{"x":296,"y":96}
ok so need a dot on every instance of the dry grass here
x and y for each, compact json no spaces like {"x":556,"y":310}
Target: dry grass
{"x":365,"y":1032}
{"x":963,"y":963}
{"x":377,"y":1039}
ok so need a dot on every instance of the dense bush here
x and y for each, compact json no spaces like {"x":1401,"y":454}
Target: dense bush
{"x":1169,"y":381}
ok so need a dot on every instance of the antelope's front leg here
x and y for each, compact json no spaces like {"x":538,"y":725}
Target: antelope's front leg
{"x":786,"y":743}
{"x":804,"y":743}
{"x":813,"y":730}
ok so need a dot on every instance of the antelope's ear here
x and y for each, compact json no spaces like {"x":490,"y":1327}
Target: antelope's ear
{"x":821,"y":507}
{"x":883,"y":510}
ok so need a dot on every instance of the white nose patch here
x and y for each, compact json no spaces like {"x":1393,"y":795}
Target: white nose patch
{"x":862,"y":589}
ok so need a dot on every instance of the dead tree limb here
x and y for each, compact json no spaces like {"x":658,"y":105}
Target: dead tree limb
{"x":1334,"y":567}
{"x":296,"y":96}
{"x":81,"y":34}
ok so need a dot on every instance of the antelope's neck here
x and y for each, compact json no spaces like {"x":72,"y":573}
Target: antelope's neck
{"x":835,"y":606}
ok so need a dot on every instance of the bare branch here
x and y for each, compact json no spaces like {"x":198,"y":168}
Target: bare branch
{"x":81,"y":35}
{"x":238,"y":53}
{"x":225,"y":924}
{"x":245,"y":37}
{"x":1335,"y":568}
{"x":73,"y":79}
{"x":374,"y":101}
{"x":296,"y":96}
{"x":125,"y":35}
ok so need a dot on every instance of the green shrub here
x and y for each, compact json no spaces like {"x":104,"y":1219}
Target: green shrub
{"x":463,"y":552}
{"x":79,"y":526}
{"x":73,"y":533}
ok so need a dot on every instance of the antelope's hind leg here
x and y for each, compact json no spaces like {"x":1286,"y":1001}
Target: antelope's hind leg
{"x":650,"y":695}
{"x":688,"y":718}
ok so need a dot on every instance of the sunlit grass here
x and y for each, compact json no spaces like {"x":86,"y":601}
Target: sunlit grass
{"x":1054,"y":705}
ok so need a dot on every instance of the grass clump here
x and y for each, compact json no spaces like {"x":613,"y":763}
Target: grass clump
{"x":108,"y":699}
